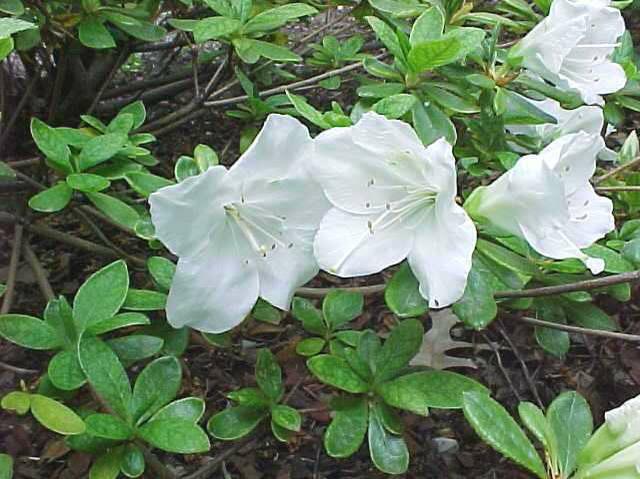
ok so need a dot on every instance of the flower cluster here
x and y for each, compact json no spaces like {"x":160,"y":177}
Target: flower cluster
{"x":354,"y":201}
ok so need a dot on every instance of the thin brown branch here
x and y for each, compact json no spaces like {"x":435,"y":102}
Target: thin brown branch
{"x":116,"y":66}
{"x":13,"y":269}
{"x":18,"y":110}
{"x":576,"y":329}
{"x":615,"y":189}
{"x":38,"y":271}
{"x":617,"y":170}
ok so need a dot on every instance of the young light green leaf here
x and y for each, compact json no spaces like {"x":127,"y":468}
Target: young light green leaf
{"x":144,"y":300}
{"x":277,"y":17}
{"x":16,"y":401}
{"x":52,"y":199}
{"x":101,"y":296}
{"x":117,"y":210}
{"x":428,"y":26}
{"x":6,"y":466}
{"x":189,"y":409}
{"x":339,"y":307}
{"x":65,"y":372}
{"x":122,"y":320}
{"x":533,"y":417}
{"x":87,"y":182}
{"x":310,"y":346}
{"x":498,"y":429}
{"x":100,"y":149}
{"x":137,"y":111}
{"x":56,"y":416}
{"x":395,"y":106}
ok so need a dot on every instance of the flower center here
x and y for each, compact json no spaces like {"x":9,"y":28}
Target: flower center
{"x":263,"y":230}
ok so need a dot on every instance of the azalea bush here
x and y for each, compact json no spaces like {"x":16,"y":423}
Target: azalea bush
{"x":466,"y":163}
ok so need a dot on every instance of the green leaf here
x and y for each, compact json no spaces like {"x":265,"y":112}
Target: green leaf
{"x":569,"y":416}
{"x":281,"y":434}
{"x":435,"y":53}
{"x":336,"y":372}
{"x":188,"y":409}
{"x":101,"y":296}
{"x":269,"y":50}
{"x":614,"y":262}
{"x":122,"y":124}
{"x":185,"y":168}
{"x":380,"y":90}
{"x":93,"y":34}
{"x":106,"y":375}
{"x":52,"y":199}
{"x":477,"y":307}
{"x":9,"y":26}
{"x":387,"y":36}
{"x":162,"y":271}
{"x":16,"y":401}
{"x":498,"y":429}
{"x":205,"y":157}
{"x":175,"y":435}
{"x":395,"y":106}
{"x":136,"y":347}
{"x":146,"y":183}
{"x":402,"y":294}
{"x":3,"y":288}
{"x":100,"y":149}
{"x":236,"y":422}
{"x":339,"y":307}
{"x":119,"y":321}
{"x":5,"y":170}
{"x":144,"y":300}
{"x":303,"y":107}
{"x":310,"y":346}
{"x":520,"y":111}
{"x":304,"y":310}
{"x":50,"y":143}
{"x":507,"y":258}
{"x":140,"y":29}
{"x":28,"y":332}
{"x":250,"y":397}
{"x":265,"y":312}
{"x":431,"y":123}
{"x":65,"y":372}
{"x":553,"y":341}
{"x":56,"y":416}
{"x":6,"y":466}
{"x":428,"y":26}
{"x":132,"y":464}
{"x":87,"y":182}
{"x":588,"y":316}
{"x":277,"y":17}
{"x":400,"y":347}
{"x":286,"y":417}
{"x":107,"y":466}
{"x":6,"y":46}
{"x":156,"y":386}
{"x":138,"y":111}
{"x":346,"y":432}
{"x":117,"y":210}
{"x":108,"y":427}
{"x":269,"y":375}
{"x":417,"y":392}
{"x":388,"y":452}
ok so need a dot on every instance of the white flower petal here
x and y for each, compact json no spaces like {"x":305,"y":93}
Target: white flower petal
{"x":283,"y":148}
{"x":364,"y":167}
{"x":591,"y":216}
{"x":214,"y":290}
{"x":441,"y":254}
{"x":177,"y":211}
{"x":573,"y":158}
{"x":345,"y":245}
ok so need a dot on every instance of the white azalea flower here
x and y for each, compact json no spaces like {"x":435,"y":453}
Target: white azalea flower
{"x":242,"y":233}
{"x":392,"y":199}
{"x":589,"y":119}
{"x":571,"y":48}
{"x":547,"y":200}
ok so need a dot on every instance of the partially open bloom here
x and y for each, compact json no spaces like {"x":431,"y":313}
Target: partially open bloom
{"x":614,"y":449}
{"x":571,"y":48}
{"x":547,"y":200}
{"x":392,"y":199}
{"x":242,"y":233}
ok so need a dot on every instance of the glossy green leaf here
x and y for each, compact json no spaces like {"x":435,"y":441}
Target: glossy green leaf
{"x":132,"y":463}
{"x":477,"y":307}
{"x":336,"y":372}
{"x":162,"y":271}
{"x":52,"y":199}
{"x":175,"y":435}
{"x":28,"y":332}
{"x":135,"y":347}
{"x":286,"y":417}
{"x":122,"y":320}
{"x":16,"y":401}
{"x":146,"y":183}
{"x":188,"y":409}
{"x":101,"y":295}
{"x":214,"y":27}
{"x":93,"y":34}
{"x":100,"y":149}
{"x":428,"y":26}
{"x":533,"y":417}
{"x":402,"y":294}
{"x":137,"y":111}
{"x":156,"y":386}
{"x":56,"y":416}
{"x":236,"y":422}
{"x":87,"y":182}
{"x":339,"y":307}
{"x":417,"y":392}
{"x":400,"y":347}
{"x":388,"y":451}
{"x":498,"y":429}
{"x":569,"y":416}
{"x":346,"y":432}
{"x":145,"y":300}
{"x":117,"y":210}
{"x":277,"y":17}
{"x":51,"y":144}
{"x":106,"y":375}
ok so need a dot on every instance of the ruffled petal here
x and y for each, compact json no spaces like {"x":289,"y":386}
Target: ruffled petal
{"x":214,"y":290}
{"x":184,"y":214}
{"x":441,"y":254}
{"x":591,"y":216}
{"x":356,"y":245}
